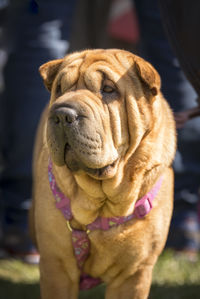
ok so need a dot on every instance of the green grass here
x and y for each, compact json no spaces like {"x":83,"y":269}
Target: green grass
{"x":173,"y":278}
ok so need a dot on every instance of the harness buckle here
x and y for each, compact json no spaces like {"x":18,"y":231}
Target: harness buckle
{"x":71,"y":229}
{"x":69,"y":226}
{"x":143,"y":207}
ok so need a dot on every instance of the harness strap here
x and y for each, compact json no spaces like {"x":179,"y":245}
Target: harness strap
{"x":142,"y":208}
{"x":80,"y":240}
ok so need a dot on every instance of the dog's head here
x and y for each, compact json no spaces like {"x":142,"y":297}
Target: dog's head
{"x":102,"y":106}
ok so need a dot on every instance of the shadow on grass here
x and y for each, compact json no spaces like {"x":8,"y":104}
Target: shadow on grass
{"x":10,"y":290}
{"x":157,"y":292}
{"x":175,"y":292}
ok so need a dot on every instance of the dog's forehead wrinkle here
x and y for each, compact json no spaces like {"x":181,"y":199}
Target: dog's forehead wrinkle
{"x":127,"y":61}
{"x":75,"y":63}
{"x":74,"y":59}
{"x":98,"y":74}
{"x":71,"y":68}
{"x":94,"y":69}
{"x":93,"y":82}
{"x":67,"y":79}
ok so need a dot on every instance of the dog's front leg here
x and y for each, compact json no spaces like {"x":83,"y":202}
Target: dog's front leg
{"x":55,"y":283}
{"x":134,"y":287}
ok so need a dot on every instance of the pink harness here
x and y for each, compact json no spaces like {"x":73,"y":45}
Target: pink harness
{"x":80,"y":240}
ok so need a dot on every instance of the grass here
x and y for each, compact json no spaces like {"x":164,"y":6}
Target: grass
{"x":173,"y":278}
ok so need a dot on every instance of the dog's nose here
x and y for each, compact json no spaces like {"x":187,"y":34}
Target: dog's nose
{"x":65,"y":115}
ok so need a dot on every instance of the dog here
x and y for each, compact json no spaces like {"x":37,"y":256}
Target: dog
{"x":103,"y":182}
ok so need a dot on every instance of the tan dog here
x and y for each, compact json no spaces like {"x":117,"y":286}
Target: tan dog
{"x":110,"y":136}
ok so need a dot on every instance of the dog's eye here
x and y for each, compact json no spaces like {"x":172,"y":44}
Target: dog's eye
{"x":107,"y":89}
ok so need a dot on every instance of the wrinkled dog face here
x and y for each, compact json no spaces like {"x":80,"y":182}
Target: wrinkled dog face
{"x":88,"y":127}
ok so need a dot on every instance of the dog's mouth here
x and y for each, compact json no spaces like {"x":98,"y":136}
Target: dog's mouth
{"x":107,"y":171}
{"x":75,"y":164}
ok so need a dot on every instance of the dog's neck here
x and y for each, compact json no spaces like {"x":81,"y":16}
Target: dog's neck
{"x":92,"y":198}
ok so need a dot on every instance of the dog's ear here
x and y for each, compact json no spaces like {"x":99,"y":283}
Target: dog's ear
{"x":148,"y":75}
{"x":48,"y":72}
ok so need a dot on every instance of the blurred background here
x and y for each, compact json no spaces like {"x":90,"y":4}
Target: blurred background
{"x":33,"y":32}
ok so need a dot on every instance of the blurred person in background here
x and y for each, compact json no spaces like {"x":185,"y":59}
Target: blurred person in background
{"x":32,"y":33}
{"x":182,"y":23}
